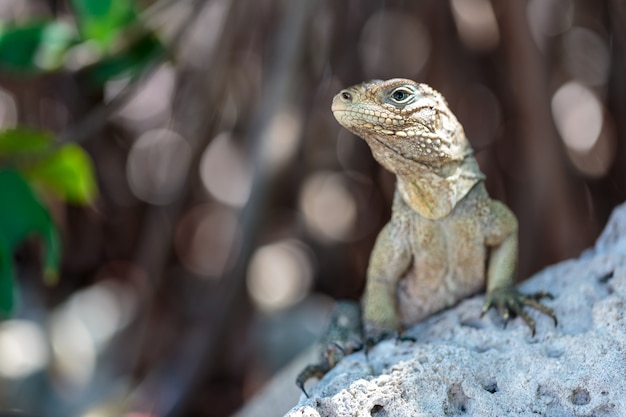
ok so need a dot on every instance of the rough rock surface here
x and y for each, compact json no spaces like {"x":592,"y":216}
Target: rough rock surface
{"x":461,"y":364}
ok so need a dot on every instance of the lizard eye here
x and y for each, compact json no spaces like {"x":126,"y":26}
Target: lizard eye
{"x":346,"y":96}
{"x":401,"y":95}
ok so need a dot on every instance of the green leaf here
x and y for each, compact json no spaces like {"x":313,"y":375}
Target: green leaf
{"x":22,"y":215}
{"x":20,"y":141}
{"x":35,"y":46}
{"x":102,"y":20}
{"x":7,"y":280}
{"x":131,"y":62}
{"x":68,"y":172}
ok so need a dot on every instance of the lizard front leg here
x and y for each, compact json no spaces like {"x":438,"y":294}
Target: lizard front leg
{"x":501,"y":291}
{"x":390,"y":259}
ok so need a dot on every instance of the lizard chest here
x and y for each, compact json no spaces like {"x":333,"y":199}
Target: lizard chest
{"x":452,"y":250}
{"x":448,"y":263}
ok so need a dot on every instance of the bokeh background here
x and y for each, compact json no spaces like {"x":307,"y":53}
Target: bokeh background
{"x":231,"y":206}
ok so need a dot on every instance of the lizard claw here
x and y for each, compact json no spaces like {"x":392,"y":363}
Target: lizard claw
{"x":333,"y":353}
{"x":510,"y":303}
{"x":311,"y":371}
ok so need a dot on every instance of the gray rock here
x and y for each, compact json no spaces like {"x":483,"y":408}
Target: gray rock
{"x":461,"y":364}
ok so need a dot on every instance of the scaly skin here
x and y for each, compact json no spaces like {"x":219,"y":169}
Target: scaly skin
{"x":445,"y":236}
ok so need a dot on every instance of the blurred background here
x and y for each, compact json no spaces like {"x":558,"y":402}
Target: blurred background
{"x":179,"y":208}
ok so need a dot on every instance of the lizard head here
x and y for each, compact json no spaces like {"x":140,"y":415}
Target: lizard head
{"x":402,"y":117}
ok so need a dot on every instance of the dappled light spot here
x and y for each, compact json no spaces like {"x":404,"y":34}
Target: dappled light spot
{"x":105,"y":308}
{"x":225,"y":171}
{"x":84,"y":325}
{"x":577,"y":114}
{"x":281,"y":138}
{"x":73,"y":348}
{"x":23,"y":349}
{"x":393,"y":44}
{"x":586,"y":56}
{"x":596,"y":161}
{"x":8,"y":110}
{"x":476,"y":23}
{"x":280,"y":274}
{"x":205,"y":237}
{"x":330,"y":210}
{"x":151,"y":104}
{"x":585,"y":128}
{"x":157,"y":166}
{"x":549,"y":18}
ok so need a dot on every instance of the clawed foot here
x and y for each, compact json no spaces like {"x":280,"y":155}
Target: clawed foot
{"x":333,"y":353}
{"x":342,"y":337}
{"x":510,"y":303}
{"x":311,"y":371}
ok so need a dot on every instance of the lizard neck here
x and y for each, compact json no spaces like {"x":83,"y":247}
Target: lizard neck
{"x":430,"y":184}
{"x":434,"y":192}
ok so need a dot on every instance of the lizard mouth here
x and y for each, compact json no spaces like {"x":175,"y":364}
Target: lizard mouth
{"x":338,"y":113}
{"x":342,"y":114}
{"x":338,"y":105}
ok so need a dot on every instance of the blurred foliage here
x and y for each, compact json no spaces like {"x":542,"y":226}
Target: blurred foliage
{"x":107,"y":29}
{"x":31,"y":159}
{"x":22,"y":215}
{"x":103,"y":21}
{"x":65,"y":170}
{"x":35,"y":46}
{"x":133,"y":61}
{"x":108,"y":39}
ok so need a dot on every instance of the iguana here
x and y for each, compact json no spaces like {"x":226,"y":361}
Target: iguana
{"x":447,"y":239}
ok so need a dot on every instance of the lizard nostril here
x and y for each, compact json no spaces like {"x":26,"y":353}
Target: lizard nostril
{"x":346,"y":96}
